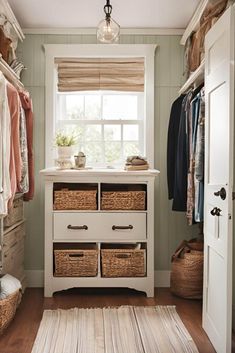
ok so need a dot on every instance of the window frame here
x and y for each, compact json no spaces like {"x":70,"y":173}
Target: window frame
{"x":139,"y":121}
{"x":53,"y":51}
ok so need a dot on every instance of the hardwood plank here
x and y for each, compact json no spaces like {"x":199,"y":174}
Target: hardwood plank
{"x":21,"y":333}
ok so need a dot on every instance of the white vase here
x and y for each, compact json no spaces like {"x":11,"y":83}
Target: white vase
{"x":64,"y":152}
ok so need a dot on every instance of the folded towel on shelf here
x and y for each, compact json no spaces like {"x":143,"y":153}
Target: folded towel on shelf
{"x":8,"y":286}
{"x":137,"y":167}
{"x":136,"y":163}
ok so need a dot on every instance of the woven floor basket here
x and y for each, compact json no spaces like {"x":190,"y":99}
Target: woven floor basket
{"x":75,"y":199}
{"x":76,"y":263}
{"x":187,"y":270}
{"x":8,"y":308}
{"x":123,"y":200}
{"x":123,"y":263}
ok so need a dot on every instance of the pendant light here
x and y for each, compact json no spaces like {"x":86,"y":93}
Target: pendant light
{"x":108,"y":30}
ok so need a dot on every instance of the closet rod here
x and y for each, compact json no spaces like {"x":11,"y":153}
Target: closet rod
{"x":10,"y":74}
{"x":197,"y":77}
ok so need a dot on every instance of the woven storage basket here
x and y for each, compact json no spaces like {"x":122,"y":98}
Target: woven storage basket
{"x":8,"y":308}
{"x":187,"y":270}
{"x":66,"y":199}
{"x":123,"y":200}
{"x":76,"y":262}
{"x":15,"y":213}
{"x":123,"y":262}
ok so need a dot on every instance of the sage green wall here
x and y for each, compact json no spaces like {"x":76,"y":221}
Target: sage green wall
{"x":170,"y":227}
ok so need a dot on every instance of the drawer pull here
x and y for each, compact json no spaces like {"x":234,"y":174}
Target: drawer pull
{"x":122,"y":227}
{"x":77,"y":227}
{"x":74,"y":256}
{"x":122,"y":256}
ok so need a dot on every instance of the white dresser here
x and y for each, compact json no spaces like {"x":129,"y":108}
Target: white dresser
{"x":99,"y":226}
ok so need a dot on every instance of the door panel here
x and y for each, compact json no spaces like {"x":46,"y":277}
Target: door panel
{"x":218,"y":135}
{"x":219,"y":154}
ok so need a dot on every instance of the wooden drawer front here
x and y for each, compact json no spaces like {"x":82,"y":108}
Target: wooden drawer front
{"x":15,"y":213}
{"x":14,"y":237}
{"x":100,"y":226}
{"x":13,"y":258}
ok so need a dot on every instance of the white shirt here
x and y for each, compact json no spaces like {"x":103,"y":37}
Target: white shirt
{"x":5,"y":147}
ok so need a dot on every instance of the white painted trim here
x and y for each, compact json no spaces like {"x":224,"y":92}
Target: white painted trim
{"x":195,"y":20}
{"x":196,"y":78}
{"x":7,"y":11}
{"x":92,"y":31}
{"x":35,"y":279}
{"x":53,"y":51}
{"x":233,"y":318}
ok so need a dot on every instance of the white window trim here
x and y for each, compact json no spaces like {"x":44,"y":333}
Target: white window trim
{"x":53,"y":51}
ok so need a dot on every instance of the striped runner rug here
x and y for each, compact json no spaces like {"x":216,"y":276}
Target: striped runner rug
{"x":127,"y":329}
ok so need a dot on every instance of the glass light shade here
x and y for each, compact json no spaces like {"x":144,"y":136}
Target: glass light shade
{"x":108,"y":31}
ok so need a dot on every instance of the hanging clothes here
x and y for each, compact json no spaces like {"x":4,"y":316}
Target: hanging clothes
{"x":5,"y":133}
{"x":199,"y":161}
{"x":28,"y":109}
{"x":193,"y":126}
{"x":24,"y":183}
{"x":182,"y":159}
{"x":185,"y":155}
{"x":15,"y":155}
{"x":172,"y":142}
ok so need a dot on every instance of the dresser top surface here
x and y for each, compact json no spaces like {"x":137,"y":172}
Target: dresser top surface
{"x":97,"y":172}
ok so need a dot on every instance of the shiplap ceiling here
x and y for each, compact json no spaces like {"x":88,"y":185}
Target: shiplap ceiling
{"x":87,"y":13}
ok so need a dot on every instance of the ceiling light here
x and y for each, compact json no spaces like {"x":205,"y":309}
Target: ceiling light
{"x":108,"y":30}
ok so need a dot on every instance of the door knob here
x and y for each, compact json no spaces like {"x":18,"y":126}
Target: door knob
{"x":216,"y":211}
{"x":221,"y":193}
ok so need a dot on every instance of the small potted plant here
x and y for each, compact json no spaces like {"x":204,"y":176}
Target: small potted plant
{"x":65,"y":143}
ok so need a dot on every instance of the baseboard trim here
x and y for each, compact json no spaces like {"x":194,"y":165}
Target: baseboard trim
{"x":35,"y":278}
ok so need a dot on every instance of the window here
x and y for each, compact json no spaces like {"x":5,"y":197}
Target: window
{"x":108,"y":125}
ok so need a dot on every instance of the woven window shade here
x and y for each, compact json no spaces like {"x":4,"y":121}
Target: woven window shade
{"x":100,"y":74}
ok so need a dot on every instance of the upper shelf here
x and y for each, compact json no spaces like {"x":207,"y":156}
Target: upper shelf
{"x":6,"y":10}
{"x":10,"y":74}
{"x":196,"y":78}
{"x":195,"y":21}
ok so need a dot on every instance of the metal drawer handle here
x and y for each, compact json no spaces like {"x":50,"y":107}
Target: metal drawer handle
{"x":122,"y":227}
{"x":77,"y":227}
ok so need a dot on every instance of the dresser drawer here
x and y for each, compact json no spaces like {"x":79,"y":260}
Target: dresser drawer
{"x":99,"y":226}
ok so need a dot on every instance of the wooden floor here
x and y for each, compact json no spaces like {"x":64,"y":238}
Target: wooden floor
{"x":20,"y":335}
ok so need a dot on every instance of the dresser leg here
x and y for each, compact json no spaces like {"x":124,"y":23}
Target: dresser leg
{"x":150,"y":292}
{"x":48,"y":293}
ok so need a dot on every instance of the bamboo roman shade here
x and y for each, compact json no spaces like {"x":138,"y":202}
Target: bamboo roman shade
{"x":91,"y":74}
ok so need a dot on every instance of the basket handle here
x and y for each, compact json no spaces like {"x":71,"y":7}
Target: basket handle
{"x":84,"y":227}
{"x":122,"y":227}
{"x":74,"y":256}
{"x":182,"y":247}
{"x":122,"y":256}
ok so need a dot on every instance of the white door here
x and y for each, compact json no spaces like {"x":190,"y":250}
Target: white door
{"x":219,"y":90}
